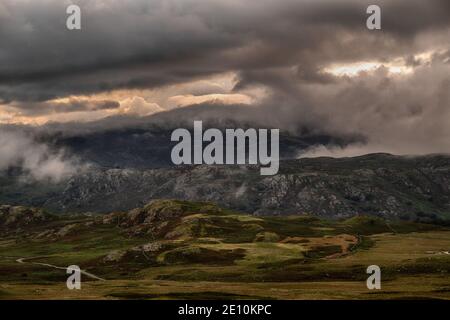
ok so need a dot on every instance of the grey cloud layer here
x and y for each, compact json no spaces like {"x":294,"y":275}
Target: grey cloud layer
{"x":280,"y":46}
{"x":142,"y":44}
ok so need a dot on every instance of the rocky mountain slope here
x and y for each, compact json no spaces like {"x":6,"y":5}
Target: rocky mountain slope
{"x":379,"y":184}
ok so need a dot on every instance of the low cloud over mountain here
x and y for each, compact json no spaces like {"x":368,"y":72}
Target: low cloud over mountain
{"x":285,"y":64}
{"x":37,"y":160}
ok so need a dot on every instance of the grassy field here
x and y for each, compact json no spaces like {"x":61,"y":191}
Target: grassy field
{"x":209,"y":253}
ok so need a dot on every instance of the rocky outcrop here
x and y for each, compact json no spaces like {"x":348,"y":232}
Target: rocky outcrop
{"x":379,"y":184}
{"x":18,"y":216}
{"x":157,"y":217}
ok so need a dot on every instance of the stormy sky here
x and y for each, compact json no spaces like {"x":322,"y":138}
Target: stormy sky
{"x":283,"y":64}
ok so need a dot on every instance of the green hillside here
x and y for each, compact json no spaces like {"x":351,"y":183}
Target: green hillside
{"x":177,"y":249}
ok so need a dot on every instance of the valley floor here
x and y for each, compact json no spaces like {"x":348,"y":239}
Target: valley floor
{"x":205,"y":253}
{"x":415,"y":265}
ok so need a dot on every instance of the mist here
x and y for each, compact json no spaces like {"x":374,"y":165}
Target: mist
{"x":37,"y":160}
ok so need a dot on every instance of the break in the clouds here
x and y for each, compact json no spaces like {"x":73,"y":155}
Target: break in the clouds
{"x":298,"y":62}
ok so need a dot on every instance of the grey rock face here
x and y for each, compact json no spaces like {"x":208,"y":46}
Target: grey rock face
{"x":378,"y":184}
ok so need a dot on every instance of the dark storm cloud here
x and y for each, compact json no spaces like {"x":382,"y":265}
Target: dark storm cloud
{"x":281,"y":47}
{"x":145,"y":44}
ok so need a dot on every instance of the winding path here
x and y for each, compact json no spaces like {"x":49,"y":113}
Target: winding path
{"x":88,"y":274}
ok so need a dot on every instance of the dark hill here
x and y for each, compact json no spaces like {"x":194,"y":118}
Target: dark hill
{"x":416,"y":188}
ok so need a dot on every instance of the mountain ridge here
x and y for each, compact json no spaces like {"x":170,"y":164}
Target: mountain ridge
{"x":395,"y":187}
